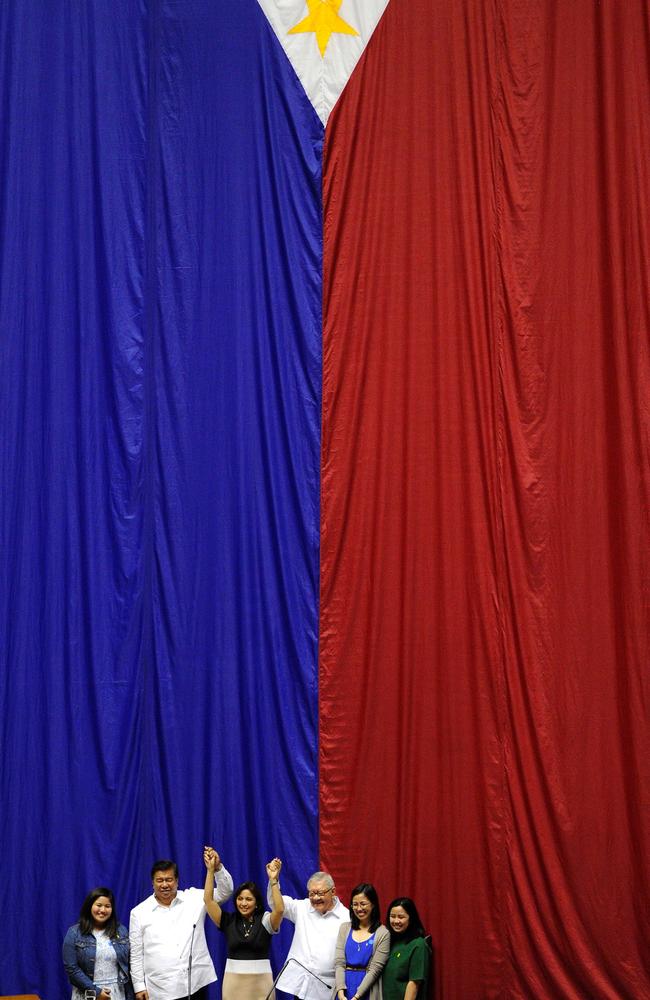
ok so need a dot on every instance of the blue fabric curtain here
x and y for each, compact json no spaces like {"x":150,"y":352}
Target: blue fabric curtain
{"x":160,"y":309}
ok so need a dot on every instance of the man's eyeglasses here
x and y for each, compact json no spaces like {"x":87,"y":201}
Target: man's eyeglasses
{"x":318,"y":894}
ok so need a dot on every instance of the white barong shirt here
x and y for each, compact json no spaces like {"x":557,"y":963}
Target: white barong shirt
{"x":313,"y":945}
{"x":160,"y":938}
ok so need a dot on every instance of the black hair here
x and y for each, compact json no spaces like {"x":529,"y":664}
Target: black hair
{"x":255,"y":891}
{"x":414,"y":929}
{"x":86,"y":922}
{"x":163,"y":866}
{"x":368,"y":890}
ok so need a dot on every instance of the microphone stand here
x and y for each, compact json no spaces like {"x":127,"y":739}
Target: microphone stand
{"x":189,"y":966}
{"x":308,"y":971}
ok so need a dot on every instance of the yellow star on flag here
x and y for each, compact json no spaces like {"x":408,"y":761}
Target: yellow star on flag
{"x":324,"y":21}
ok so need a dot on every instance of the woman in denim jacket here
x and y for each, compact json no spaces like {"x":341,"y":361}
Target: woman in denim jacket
{"x":96,"y":950}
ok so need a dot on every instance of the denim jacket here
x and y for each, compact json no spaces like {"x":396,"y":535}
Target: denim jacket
{"x":79,"y":959}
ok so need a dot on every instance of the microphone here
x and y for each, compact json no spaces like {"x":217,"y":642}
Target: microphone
{"x":189,"y":966}
{"x":308,"y":971}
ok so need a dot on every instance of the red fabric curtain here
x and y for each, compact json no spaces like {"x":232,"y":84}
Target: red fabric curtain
{"x":484,"y":641}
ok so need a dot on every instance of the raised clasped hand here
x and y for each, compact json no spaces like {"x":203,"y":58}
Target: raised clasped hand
{"x":273,"y":868}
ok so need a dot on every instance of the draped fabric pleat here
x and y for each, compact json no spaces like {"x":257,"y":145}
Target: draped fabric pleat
{"x":484,"y":636}
{"x":72,"y":245}
{"x":161,"y":312}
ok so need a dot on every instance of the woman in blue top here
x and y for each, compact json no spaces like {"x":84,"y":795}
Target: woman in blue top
{"x":362,"y":948}
{"x":96,"y":950}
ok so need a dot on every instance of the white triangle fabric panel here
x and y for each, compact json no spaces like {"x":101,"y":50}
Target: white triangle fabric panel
{"x":324,"y":40}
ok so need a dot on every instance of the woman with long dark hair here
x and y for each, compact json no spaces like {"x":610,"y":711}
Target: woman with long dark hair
{"x":408,"y":963}
{"x":96,"y":950}
{"x":248,"y":932}
{"x":362,"y":947}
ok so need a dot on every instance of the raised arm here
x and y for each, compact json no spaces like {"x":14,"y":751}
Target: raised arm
{"x":277,"y":910}
{"x":223,"y":880}
{"x":211,"y":858}
{"x":290,"y":904}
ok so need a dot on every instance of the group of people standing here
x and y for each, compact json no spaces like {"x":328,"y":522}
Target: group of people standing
{"x":345,"y":954}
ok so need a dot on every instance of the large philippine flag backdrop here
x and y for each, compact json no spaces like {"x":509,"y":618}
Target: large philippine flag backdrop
{"x":324,"y":448}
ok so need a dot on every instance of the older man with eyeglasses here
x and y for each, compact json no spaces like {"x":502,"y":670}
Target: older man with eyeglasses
{"x":309,"y":968}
